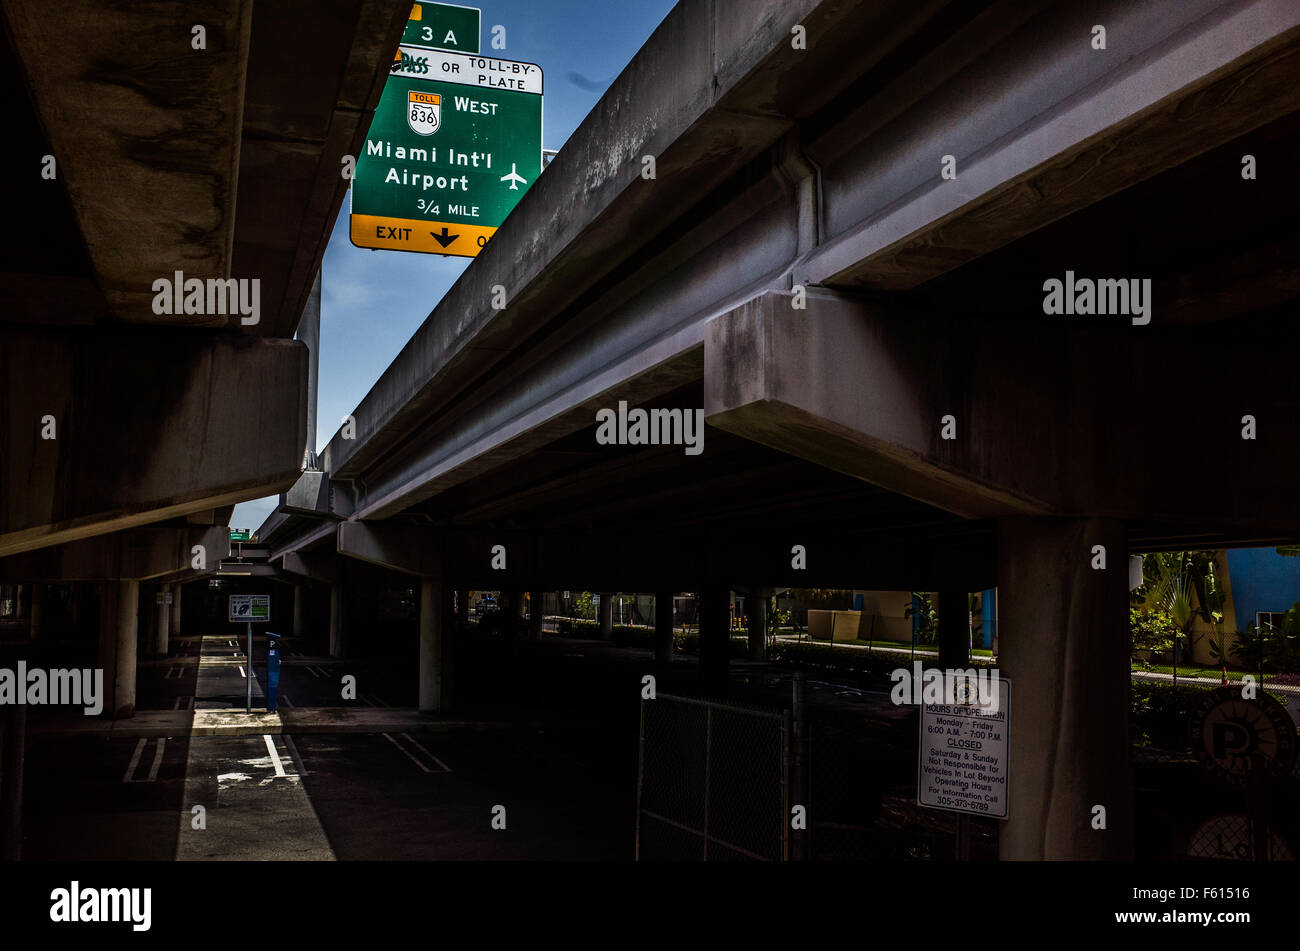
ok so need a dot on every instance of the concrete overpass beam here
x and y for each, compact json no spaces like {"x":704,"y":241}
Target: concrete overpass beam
{"x":1063,"y":631}
{"x":993,"y":419}
{"x":401,"y":548}
{"x":139,"y":553}
{"x":110,"y":465}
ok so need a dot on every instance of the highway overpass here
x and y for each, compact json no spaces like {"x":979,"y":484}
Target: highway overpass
{"x":831,"y":228}
{"x":166,"y":142}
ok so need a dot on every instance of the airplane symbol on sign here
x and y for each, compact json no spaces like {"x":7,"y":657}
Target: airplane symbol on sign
{"x":514,"y":178}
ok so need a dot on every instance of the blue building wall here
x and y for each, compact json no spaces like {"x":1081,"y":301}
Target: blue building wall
{"x":988,"y":619}
{"x":1262,"y":580}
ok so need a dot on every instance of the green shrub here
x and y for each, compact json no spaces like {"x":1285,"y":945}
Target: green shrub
{"x":1281,"y":647}
{"x":1158,"y":712}
{"x":1152,"y":630}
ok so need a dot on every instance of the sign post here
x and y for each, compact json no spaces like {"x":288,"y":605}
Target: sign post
{"x":250,"y":608}
{"x":455,"y":143}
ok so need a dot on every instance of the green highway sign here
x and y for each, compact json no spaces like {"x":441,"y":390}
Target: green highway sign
{"x":455,"y":143}
{"x":240,"y":534}
{"x":443,"y":26}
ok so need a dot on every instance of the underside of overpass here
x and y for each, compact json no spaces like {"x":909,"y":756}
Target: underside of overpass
{"x":841,"y":262}
{"x":134,"y":420}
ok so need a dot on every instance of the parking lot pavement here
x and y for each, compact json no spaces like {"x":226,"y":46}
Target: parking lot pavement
{"x":325,"y":796}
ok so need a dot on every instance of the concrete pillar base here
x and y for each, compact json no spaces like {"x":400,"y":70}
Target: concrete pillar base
{"x":336,"y":621}
{"x":536,"y":602}
{"x":119,"y":604}
{"x":663,"y":627}
{"x":431,"y":645}
{"x":756,"y":608}
{"x":954,"y":629}
{"x":1063,"y":631}
{"x":606,"y":615}
{"x":715,"y":635}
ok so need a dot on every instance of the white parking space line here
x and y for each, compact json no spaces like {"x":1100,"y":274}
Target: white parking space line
{"x":157,"y":759}
{"x":418,"y":744}
{"x":405,"y":752}
{"x":284,"y":698}
{"x":241,"y":672}
{"x":275,"y":756}
{"x":177,"y":704}
{"x":135,"y":759}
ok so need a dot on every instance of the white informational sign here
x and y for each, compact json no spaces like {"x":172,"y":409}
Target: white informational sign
{"x":963,"y":756}
{"x":163,"y":597}
{"x":250,"y":607}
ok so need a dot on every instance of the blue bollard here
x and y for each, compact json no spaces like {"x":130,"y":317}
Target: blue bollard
{"x":272,"y":670}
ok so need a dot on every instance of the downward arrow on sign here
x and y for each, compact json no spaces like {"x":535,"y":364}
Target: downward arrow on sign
{"x":444,"y":239}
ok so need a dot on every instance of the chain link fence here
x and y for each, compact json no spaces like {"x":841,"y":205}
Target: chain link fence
{"x":712,"y":781}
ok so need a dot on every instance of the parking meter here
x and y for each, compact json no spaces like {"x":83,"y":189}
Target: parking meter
{"x":272,"y":670}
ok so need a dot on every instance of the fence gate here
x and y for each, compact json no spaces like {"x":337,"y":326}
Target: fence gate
{"x":712,"y":781}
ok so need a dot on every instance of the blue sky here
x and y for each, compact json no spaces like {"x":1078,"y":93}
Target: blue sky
{"x":372,"y":301}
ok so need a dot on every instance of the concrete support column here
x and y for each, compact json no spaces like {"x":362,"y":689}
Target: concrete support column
{"x":606,"y":615}
{"x":118,"y":609}
{"x":508,"y":604}
{"x":37,"y":609}
{"x":177,"y":588}
{"x":1063,"y":636}
{"x":663,"y":627}
{"x":536,"y":607}
{"x":336,"y":620}
{"x":756,"y":608}
{"x":954,"y":628}
{"x":162,"y":630}
{"x":715,"y":636}
{"x":74,"y":603}
{"x":13,"y":739}
{"x":462,"y":607}
{"x":297,"y":610}
{"x":431,"y":643}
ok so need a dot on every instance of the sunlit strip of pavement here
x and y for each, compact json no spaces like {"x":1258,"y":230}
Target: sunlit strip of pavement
{"x":253,"y":808}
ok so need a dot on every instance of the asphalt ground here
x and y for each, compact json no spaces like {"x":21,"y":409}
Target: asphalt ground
{"x":562,"y":791}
